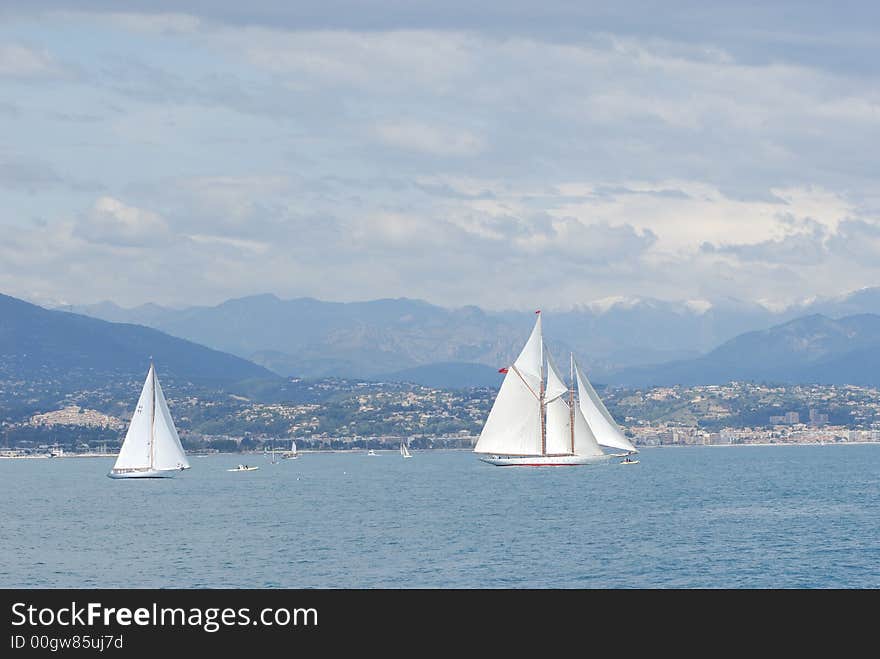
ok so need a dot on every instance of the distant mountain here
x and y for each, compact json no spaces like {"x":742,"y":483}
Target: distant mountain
{"x":377,"y":339}
{"x":812,"y":349}
{"x":310,"y":338}
{"x":40,"y":342}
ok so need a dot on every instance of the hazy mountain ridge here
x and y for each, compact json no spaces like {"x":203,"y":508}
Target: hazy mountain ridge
{"x":380,"y":338}
{"x":811,"y":349}
{"x":34,"y":339}
{"x":307,"y":337}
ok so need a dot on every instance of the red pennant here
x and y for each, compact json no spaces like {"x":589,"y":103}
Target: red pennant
{"x":502,"y":370}
{"x":538,"y":311}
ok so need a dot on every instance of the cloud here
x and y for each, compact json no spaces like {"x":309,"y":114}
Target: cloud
{"x":429,"y":139}
{"x":27,"y":174}
{"x":17,"y":61}
{"x":497,"y":156}
{"x":112,"y":222}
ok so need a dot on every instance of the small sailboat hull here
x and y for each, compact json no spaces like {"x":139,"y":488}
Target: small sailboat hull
{"x":143,"y":473}
{"x":543,"y":460}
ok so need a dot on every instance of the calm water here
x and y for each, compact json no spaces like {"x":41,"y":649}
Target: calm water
{"x":685,"y":517}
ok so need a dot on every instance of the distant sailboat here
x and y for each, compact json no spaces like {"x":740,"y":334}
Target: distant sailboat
{"x":533,"y":423}
{"x":151,"y":448}
{"x":404,"y":451}
{"x":293,"y":454}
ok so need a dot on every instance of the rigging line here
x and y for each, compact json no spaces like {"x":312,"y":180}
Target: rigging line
{"x":516,"y":370}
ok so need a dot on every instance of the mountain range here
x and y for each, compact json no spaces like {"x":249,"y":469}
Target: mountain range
{"x":405,"y":338}
{"x":811,"y":349}
{"x":36,"y":341}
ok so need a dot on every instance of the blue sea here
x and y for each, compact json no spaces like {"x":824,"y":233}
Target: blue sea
{"x":701,"y":517}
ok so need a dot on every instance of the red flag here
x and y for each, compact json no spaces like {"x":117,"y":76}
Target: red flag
{"x":502,"y":370}
{"x":538,"y":311}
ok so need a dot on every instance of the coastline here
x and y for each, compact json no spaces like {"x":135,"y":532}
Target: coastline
{"x":441,"y":450}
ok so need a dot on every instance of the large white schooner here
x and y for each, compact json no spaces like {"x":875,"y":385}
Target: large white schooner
{"x":535,"y":420}
{"x":151,"y":448}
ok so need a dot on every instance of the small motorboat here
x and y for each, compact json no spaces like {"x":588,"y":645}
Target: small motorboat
{"x":627,"y":461}
{"x":372,"y":452}
{"x":244,"y":468}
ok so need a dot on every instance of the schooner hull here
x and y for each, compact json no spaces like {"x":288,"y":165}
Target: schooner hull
{"x":543,"y":460}
{"x":144,"y":473}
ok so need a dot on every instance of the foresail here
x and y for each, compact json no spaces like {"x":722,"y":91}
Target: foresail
{"x":599,"y":419}
{"x":135,"y":450}
{"x":584,"y":440}
{"x":555,"y":384}
{"x":514,"y":423}
{"x":558,"y":427}
{"x":531,"y":359}
{"x":168,"y":453}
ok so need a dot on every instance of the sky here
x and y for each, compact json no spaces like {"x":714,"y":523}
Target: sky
{"x":510,"y":155}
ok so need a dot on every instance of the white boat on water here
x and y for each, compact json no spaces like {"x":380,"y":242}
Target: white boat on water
{"x":372,"y":453}
{"x":292,"y":455}
{"x":244,"y":468}
{"x":536,"y":421}
{"x":404,"y":451}
{"x":151,"y":448}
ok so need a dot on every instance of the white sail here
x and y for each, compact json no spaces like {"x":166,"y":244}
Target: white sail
{"x":404,"y":451}
{"x":531,"y":359}
{"x":514,"y":423}
{"x":292,"y":446}
{"x":598,"y":418}
{"x":585,"y":443}
{"x":558,"y":427}
{"x":135,"y":451}
{"x":167,"y":451}
{"x":555,"y":385}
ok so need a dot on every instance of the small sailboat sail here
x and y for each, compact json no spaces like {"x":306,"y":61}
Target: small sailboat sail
{"x":151,"y":448}
{"x":598,"y":417}
{"x":535,"y":420}
{"x":404,"y":451}
{"x":292,"y":454}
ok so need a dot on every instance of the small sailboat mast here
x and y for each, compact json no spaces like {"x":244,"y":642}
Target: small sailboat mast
{"x":152,"y":414}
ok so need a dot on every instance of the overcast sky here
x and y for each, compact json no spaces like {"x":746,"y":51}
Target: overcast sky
{"x":505,"y":154}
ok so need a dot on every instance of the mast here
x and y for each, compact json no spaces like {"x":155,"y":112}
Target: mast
{"x":543,"y":404}
{"x":571,"y":400}
{"x":152,"y":412}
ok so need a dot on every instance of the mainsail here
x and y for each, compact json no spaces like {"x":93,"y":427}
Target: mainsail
{"x":514,"y":426}
{"x":136,"y":447}
{"x":558,"y":412}
{"x":597,"y":416}
{"x":151,"y":442}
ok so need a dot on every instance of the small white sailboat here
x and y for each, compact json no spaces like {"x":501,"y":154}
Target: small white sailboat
{"x":293,"y":455}
{"x":151,"y":448}
{"x":404,"y":451}
{"x":244,"y":468}
{"x":533,"y":423}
